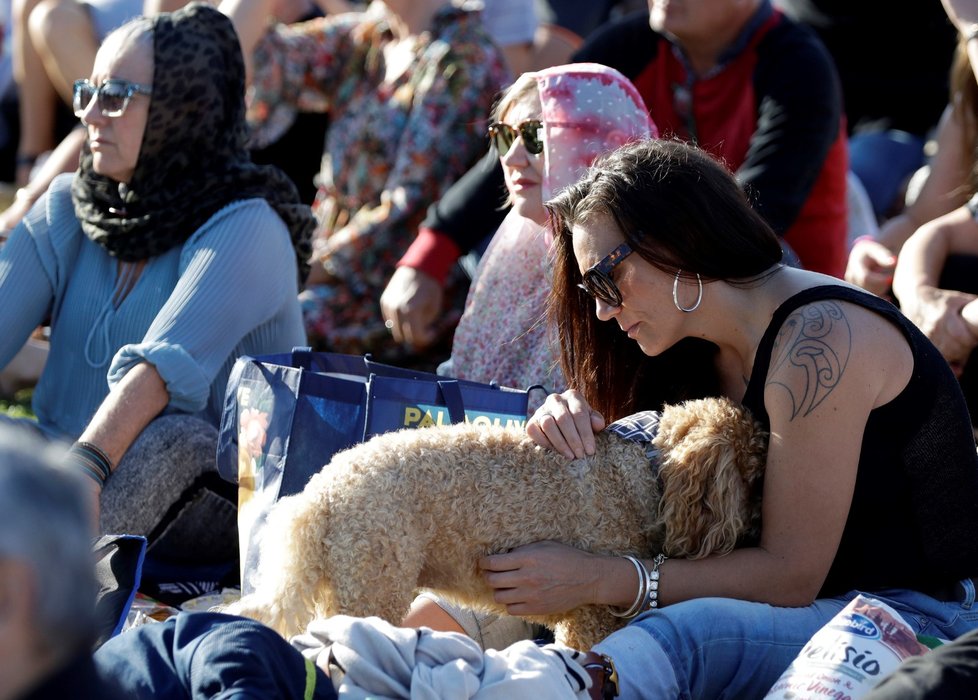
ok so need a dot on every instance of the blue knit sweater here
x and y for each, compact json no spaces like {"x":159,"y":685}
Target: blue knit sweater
{"x":229,"y":290}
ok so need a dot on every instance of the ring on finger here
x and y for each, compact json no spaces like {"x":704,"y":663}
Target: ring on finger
{"x":389,"y":324}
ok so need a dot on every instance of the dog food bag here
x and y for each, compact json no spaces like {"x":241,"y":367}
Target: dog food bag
{"x":850,"y":655}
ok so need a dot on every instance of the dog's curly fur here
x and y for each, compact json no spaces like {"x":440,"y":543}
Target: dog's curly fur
{"x":418,"y":508}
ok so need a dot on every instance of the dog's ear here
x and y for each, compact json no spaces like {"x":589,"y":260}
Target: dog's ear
{"x":709,"y":472}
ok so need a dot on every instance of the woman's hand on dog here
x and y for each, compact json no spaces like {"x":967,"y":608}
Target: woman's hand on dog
{"x":543,"y":578}
{"x":566,"y":424}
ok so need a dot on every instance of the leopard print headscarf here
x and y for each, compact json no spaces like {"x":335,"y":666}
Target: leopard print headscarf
{"x":194,"y":159}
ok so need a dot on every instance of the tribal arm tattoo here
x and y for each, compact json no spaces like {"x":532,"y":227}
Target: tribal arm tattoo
{"x":810,"y":355}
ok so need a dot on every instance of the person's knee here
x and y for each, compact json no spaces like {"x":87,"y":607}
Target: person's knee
{"x":58,"y":19}
{"x":179,"y":431}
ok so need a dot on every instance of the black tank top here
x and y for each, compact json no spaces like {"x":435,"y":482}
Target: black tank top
{"x":913,"y":522}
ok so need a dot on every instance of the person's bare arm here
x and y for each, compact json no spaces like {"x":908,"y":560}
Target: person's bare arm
{"x":64,"y":38}
{"x":871,"y":263}
{"x":936,"y":311}
{"x":125,"y":413}
{"x":808,"y":486}
{"x":154,"y":7}
{"x":412,"y":303}
{"x":250,"y":19}
{"x":946,"y":186}
{"x":63,"y":159}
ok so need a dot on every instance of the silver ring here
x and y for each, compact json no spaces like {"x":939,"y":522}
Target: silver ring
{"x":389,"y":324}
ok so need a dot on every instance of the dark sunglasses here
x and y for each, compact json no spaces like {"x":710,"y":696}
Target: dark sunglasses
{"x":504,"y":136}
{"x":597,"y":278}
{"x":113,"y":96}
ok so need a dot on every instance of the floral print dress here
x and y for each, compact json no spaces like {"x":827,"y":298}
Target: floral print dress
{"x":392,"y":148}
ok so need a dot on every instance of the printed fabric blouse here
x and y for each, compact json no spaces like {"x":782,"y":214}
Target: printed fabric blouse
{"x":393,"y":146}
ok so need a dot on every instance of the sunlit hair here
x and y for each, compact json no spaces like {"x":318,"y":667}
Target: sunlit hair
{"x":523,"y":88}
{"x":679,"y":210}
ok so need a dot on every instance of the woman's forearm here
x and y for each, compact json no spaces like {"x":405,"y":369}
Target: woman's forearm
{"x":745,"y":574}
{"x":926,"y":251}
{"x":126,"y":411}
{"x":920,"y":262}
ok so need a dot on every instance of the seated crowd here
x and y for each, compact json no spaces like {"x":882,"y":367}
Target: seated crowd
{"x":494,"y":189}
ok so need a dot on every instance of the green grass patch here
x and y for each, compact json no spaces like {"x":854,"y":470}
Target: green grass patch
{"x":19,"y":406}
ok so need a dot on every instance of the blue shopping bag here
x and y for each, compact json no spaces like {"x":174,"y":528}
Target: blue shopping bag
{"x":286,"y":415}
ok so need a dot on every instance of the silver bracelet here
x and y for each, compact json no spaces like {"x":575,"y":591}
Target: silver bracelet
{"x":653,"y":575}
{"x":643,"y":590}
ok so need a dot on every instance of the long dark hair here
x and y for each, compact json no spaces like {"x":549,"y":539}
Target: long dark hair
{"x":679,"y":210}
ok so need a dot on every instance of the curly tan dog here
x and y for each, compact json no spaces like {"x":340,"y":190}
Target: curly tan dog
{"x":418,"y":508}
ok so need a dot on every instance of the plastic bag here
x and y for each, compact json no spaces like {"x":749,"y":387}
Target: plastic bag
{"x":865,"y":642}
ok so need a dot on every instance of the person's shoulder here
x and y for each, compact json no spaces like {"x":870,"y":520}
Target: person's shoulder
{"x":823,"y":289}
{"x":837,"y":352}
{"x":627,"y":44}
{"x":789,"y":39}
{"x":629,"y":32}
{"x":242,"y":218}
{"x":62,"y":182}
{"x":791,"y":60}
{"x":244,"y":235}
{"x":58,"y":192}
{"x":831,"y":325}
{"x":53,"y":215}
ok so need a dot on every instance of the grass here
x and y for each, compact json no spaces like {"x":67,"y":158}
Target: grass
{"x":19,"y":406}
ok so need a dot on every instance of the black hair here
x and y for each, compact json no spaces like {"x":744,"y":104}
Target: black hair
{"x":680,"y":210}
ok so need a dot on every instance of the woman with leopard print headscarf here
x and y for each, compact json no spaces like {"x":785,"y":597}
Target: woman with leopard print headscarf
{"x":163,"y":258}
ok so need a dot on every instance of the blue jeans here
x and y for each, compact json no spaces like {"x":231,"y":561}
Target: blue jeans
{"x":723,"y":648}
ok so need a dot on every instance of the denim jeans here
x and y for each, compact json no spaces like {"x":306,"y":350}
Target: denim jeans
{"x":723,"y":648}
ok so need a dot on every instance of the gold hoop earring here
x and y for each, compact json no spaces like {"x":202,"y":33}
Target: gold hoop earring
{"x":675,"y":294}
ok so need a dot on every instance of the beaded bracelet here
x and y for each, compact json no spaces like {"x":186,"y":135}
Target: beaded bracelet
{"x":92,"y":461}
{"x":643,"y":590}
{"x":653,"y":574}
